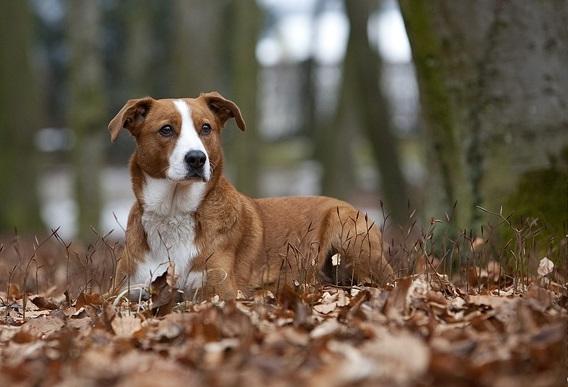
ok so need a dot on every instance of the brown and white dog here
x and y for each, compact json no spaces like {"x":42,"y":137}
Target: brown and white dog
{"x":220,"y":240}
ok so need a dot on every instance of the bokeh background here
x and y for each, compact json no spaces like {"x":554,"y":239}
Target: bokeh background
{"x":452,"y":109}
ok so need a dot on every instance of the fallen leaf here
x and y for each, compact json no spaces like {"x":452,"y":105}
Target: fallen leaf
{"x":336,"y":259}
{"x":404,"y":357}
{"x":43,"y":326}
{"x":163,"y":292}
{"x":126,"y":326}
{"x":43,"y":303}
{"x":328,"y":327}
{"x":325,"y":308}
{"x":85,"y":299}
{"x":545,"y":267}
{"x":396,"y":302}
{"x":542,"y":296}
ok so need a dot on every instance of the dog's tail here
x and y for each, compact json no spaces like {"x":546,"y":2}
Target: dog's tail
{"x":353,"y":251}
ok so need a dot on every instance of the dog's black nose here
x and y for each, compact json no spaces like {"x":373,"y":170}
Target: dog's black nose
{"x":195,"y":159}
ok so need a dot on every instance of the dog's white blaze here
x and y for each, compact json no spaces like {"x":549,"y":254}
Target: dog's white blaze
{"x":169,"y":222}
{"x":188,"y":140}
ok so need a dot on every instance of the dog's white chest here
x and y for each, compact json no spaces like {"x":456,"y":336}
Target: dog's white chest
{"x":169,"y":222}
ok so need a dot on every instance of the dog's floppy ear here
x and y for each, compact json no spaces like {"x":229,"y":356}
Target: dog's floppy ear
{"x":130,"y":116}
{"x":223,"y":108}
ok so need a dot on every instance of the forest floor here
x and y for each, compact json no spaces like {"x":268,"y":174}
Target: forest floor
{"x":420,"y":331}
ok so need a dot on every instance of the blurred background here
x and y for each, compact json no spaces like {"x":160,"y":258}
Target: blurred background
{"x":455,"y":109}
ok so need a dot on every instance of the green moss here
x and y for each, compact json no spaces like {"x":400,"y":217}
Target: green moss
{"x":543,"y":194}
{"x":428,"y":54}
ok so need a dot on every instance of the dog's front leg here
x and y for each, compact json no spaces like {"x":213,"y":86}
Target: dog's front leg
{"x":134,"y":253}
{"x":218,"y":276}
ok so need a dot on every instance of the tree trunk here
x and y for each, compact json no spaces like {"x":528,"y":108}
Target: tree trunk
{"x":139,"y":48}
{"x":245,"y":148}
{"x":200,"y":36}
{"x":87,"y":116}
{"x":493,"y":79}
{"x":372,"y":105}
{"x":19,"y":110}
{"x":334,"y":140}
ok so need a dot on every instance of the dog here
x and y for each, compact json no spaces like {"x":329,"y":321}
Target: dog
{"x":219,"y":240}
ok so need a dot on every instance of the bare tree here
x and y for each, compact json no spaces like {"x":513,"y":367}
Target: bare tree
{"x":19,"y":110}
{"x":334,"y":139}
{"x":139,"y":48}
{"x":86,"y":109}
{"x":198,"y":60}
{"x":245,"y":149}
{"x":373,"y":108}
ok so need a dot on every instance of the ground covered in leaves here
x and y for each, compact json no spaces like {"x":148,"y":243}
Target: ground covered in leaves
{"x":420,"y":331}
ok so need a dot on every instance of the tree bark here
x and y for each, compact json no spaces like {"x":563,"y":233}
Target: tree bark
{"x":201,"y":43}
{"x":373,"y":109}
{"x":334,"y":140}
{"x":246,"y":148}
{"x":492,"y":79}
{"x":87,"y":116}
{"x":19,"y":110}
{"x":139,"y":48}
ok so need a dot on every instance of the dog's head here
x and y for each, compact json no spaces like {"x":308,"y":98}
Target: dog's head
{"x":177,"y":139}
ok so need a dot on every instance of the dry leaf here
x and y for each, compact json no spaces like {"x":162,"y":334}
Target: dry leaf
{"x":404,"y":357}
{"x":545,"y":267}
{"x":163,"y":291}
{"x":336,"y":259}
{"x":85,"y":299}
{"x":43,"y":303}
{"x":328,"y":327}
{"x":43,"y":325}
{"x":126,"y":326}
{"x":325,"y":308}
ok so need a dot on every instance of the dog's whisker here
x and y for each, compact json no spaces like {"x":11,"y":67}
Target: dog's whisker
{"x":164,"y":169}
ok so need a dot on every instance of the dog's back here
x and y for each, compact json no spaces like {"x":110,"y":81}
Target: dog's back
{"x":302,"y":234}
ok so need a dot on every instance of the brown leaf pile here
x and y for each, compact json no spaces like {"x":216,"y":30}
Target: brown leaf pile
{"x":423,"y":331}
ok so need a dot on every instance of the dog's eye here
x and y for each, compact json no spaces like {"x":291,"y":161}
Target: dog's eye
{"x":205,"y":129}
{"x":166,"y":131}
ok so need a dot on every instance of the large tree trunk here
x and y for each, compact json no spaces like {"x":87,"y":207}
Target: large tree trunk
{"x":372,"y":105}
{"x":87,"y":110}
{"x":493,"y":85}
{"x":200,"y":41}
{"x":19,"y":109}
{"x":246,"y":148}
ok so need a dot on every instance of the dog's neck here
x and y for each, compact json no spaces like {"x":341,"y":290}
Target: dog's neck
{"x":165,"y":197}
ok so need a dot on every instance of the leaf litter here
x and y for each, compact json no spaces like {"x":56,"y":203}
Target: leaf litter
{"x":421,"y":331}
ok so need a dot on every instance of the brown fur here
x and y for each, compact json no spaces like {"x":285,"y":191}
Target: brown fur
{"x":246,"y":243}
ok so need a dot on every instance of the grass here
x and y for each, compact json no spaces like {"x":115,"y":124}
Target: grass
{"x":51,"y":264}
{"x":462,"y":311}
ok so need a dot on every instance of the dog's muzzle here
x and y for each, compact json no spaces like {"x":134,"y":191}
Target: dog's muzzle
{"x":195,"y":161}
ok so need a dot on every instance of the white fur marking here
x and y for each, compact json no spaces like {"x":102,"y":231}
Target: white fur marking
{"x":188,"y":140}
{"x":168,"y":220}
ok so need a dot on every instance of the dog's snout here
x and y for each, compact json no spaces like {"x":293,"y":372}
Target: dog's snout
{"x":195,"y":159}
